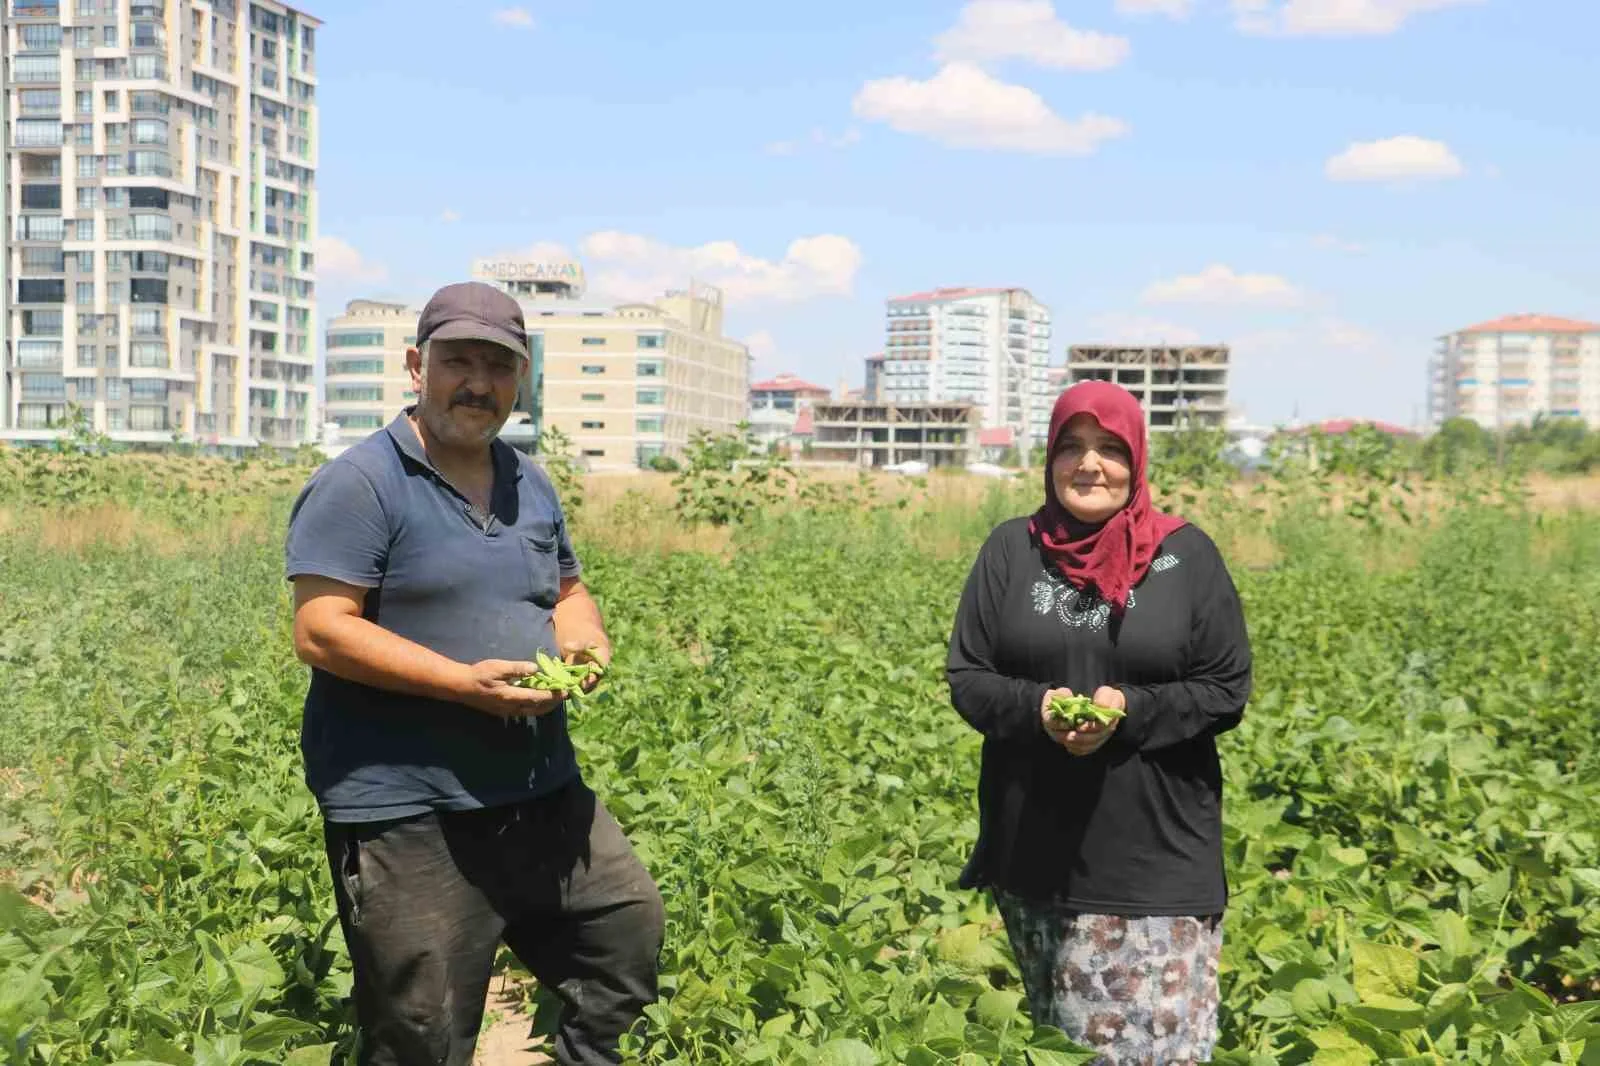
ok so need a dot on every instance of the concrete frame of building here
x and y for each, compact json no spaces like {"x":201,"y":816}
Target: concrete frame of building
{"x":878,"y":435}
{"x":157,"y":269}
{"x":1177,"y":386}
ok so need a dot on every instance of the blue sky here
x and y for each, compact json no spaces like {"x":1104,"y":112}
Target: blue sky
{"x":1327,"y":185}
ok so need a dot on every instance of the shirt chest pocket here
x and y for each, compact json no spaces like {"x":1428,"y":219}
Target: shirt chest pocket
{"x":541,"y":565}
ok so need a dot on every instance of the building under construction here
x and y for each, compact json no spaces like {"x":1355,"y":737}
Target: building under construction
{"x":879,"y":434}
{"x":1178,"y":387}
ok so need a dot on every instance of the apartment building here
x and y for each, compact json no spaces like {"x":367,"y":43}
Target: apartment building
{"x":159,"y":175}
{"x":1511,"y":370}
{"x":987,"y":347}
{"x":1177,"y":387}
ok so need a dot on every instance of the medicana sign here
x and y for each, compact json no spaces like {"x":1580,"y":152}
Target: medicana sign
{"x":564,"y":270}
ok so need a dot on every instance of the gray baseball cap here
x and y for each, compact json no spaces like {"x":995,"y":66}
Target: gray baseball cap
{"x":472,"y":310}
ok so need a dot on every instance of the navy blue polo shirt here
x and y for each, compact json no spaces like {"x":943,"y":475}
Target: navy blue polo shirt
{"x":468,"y":586}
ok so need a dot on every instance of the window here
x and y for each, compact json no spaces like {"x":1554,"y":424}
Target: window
{"x":41,"y":291}
{"x":148,"y":291}
{"x":594,"y":453}
{"x":36,"y":68}
{"x":147,"y":197}
{"x":37,"y":133}
{"x":83,"y":229}
{"x":650,"y":397}
{"x":152,"y":227}
{"x":43,"y":197}
{"x":43,"y":261}
{"x":113,"y":385}
{"x":356,"y":339}
{"x":88,"y":166}
{"x":593,"y":425}
{"x":356,"y":366}
{"x":38,"y":354}
{"x":88,"y":354}
{"x":108,"y":36}
{"x":84,"y":388}
{"x":650,"y":368}
{"x":594,"y":397}
{"x":594,"y":342}
{"x":147,"y":354}
{"x":355,"y":394}
{"x":40,"y":101}
{"x":652,"y":340}
{"x":593,"y":368}
{"x":45,"y":38}
{"x":147,"y":418}
{"x":653,"y":424}
{"x":85,"y":292}
{"x":44,"y":386}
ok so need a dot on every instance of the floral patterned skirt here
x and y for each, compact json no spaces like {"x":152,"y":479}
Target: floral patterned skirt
{"x":1142,"y":991}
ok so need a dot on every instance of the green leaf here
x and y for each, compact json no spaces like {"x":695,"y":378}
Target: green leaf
{"x":275,"y":1032}
{"x":997,"y":1008}
{"x":1383,"y":970}
{"x":846,"y":1052}
{"x":313,"y":1055}
{"x":1390,"y":1013}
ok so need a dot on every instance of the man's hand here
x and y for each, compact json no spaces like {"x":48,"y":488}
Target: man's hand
{"x":489,"y":688}
{"x":1087,"y":738}
{"x":574,"y":651}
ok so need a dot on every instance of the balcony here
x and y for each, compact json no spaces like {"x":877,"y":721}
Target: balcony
{"x":26,"y":9}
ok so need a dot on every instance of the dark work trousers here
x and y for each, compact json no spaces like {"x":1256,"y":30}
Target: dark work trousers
{"x":424,"y":902}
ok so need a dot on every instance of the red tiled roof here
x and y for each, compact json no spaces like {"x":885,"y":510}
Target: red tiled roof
{"x":1335,"y":427}
{"x":803,"y":424}
{"x":786,"y":383}
{"x":956,"y":293}
{"x":1534,"y":323}
{"x":997,"y":437}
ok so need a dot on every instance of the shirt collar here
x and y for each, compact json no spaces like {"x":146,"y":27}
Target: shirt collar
{"x":405,"y":438}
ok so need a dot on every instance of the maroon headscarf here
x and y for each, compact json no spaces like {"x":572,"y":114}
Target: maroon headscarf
{"x":1114,"y":555}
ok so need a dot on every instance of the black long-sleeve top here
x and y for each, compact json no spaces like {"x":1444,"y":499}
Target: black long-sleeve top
{"x":1136,"y":827}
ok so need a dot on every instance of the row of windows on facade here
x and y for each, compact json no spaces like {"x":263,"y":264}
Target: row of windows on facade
{"x":132,"y":227}
{"x":47,"y":37}
{"x":54,"y":386}
{"x":640,"y":425}
{"x":375,"y":339}
{"x":88,"y":9}
{"x":145,"y":355}
{"x":45,"y":69}
{"x":132,"y":419}
{"x":641,"y":397}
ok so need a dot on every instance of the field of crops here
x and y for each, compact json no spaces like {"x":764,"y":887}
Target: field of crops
{"x":1413,"y":800}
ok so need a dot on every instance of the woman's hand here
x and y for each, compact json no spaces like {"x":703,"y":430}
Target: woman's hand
{"x":1087,"y":738}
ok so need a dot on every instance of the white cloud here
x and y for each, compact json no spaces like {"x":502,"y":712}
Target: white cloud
{"x":1176,"y":9}
{"x":449,"y":215}
{"x":1394,"y":159}
{"x":1219,"y":284}
{"x":1118,"y":328}
{"x":990,"y":30}
{"x":963,"y":107}
{"x":632,"y":267}
{"x":337,"y":260}
{"x":763,"y":348}
{"x":1332,"y":17}
{"x":820,"y":138}
{"x":516,"y":17}
{"x":1332,"y":243}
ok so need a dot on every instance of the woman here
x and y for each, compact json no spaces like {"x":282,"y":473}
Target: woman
{"x":1102,"y":846}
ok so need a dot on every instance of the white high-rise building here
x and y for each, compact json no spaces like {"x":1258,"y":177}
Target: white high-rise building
{"x":988,"y":347}
{"x":1513,"y":369}
{"x":157,"y":266}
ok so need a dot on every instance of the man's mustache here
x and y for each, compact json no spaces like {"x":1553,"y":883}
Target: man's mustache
{"x":466,"y":399}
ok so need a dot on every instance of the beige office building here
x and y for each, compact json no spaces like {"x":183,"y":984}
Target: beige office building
{"x":366,"y":381}
{"x":158,"y":178}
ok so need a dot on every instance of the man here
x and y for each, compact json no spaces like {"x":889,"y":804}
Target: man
{"x":429,"y":562}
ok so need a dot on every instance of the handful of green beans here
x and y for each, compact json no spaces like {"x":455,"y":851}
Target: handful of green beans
{"x":564,"y":678}
{"x":1081,"y":710}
